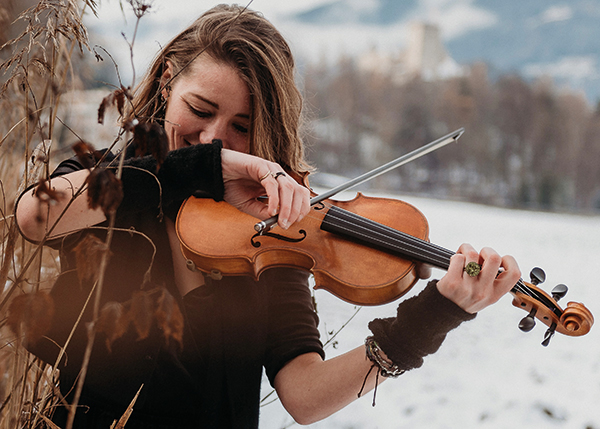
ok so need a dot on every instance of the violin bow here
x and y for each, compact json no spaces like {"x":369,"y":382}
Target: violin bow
{"x":267,"y":224}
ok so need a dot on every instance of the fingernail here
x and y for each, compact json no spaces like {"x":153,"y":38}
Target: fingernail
{"x":283,"y":224}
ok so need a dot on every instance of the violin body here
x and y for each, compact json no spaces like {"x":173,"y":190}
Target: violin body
{"x":226,"y":243}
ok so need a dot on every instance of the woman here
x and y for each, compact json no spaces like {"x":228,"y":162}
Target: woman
{"x":226,"y":81}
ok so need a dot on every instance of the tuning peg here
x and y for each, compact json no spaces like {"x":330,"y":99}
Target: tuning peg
{"x":528,"y":322}
{"x":559,"y":291}
{"x":537,"y":276}
{"x":549,"y":334}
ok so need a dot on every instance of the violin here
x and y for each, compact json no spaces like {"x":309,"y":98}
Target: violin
{"x":364,"y":251}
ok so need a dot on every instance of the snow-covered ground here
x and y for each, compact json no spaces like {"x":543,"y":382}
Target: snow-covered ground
{"x":488,"y":374}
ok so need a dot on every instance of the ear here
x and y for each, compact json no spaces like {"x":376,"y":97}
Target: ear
{"x":165,"y":78}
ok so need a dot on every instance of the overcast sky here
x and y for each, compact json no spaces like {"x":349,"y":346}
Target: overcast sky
{"x":167,"y":17}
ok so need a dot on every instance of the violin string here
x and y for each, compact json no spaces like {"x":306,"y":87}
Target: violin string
{"x":414,"y":247}
{"x":426,"y":251}
{"x":400,"y":241}
{"x":429,"y":252}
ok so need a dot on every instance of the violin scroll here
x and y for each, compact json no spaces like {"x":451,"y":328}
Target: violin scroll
{"x":574,"y":320}
{"x":577,"y":319}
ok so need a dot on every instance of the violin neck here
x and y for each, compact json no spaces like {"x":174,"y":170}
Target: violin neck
{"x":373,"y":234}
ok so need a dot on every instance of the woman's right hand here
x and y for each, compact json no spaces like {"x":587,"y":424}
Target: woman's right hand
{"x":241,"y":177}
{"x":248,"y":177}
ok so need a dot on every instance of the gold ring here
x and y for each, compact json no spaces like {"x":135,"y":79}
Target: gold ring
{"x":472,"y":269}
{"x":270,"y":173}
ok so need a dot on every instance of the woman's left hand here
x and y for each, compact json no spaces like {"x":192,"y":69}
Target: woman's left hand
{"x":248,"y":177}
{"x":498,"y":275}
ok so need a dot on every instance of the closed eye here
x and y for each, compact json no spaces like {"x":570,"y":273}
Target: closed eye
{"x":199,"y":113}
{"x":241,"y":128}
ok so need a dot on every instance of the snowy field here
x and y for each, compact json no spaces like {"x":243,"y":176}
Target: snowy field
{"x":488,"y":374}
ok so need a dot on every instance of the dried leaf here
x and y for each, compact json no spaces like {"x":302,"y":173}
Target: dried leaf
{"x":47,"y":194}
{"x":113,"y":322}
{"x":105,"y":191}
{"x":30,"y":315}
{"x":151,"y":139}
{"x":88,"y":253}
{"x":169,"y":317}
{"x":120,"y":101}
{"x":116,"y":98}
{"x":106,"y":101}
{"x":140,"y":7}
{"x":85,"y":154}
{"x":141,"y":313}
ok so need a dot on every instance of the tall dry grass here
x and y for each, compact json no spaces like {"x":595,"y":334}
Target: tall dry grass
{"x":38,"y":66}
{"x":38,"y":72}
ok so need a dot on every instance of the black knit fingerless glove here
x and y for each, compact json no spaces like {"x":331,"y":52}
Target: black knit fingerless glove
{"x":183,"y":172}
{"x":419,"y":328}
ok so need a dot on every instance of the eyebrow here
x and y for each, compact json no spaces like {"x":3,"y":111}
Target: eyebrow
{"x":216,"y":105}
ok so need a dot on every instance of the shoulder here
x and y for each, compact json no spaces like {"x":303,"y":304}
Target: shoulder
{"x":74,"y":163}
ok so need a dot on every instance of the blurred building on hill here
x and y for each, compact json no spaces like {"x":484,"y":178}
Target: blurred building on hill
{"x":424,"y":56}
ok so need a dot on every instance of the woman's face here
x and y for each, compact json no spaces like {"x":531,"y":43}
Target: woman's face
{"x":208,"y":101}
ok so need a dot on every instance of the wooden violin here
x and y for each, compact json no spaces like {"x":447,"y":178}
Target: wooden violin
{"x":364,"y":251}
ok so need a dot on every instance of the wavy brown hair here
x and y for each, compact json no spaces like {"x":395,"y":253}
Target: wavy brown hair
{"x":248,"y":42}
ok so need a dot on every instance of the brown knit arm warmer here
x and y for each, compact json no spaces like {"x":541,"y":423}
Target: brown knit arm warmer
{"x":419,"y":328}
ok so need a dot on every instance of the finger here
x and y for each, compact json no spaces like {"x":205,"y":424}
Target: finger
{"x":469,"y":252}
{"x":294,"y":200}
{"x":470,"y":255}
{"x":490,"y":264}
{"x":510,"y":273}
{"x":286,"y":199}
{"x":300,"y":203}
{"x":305,"y":206}
{"x":256,"y":208}
{"x":271,"y":187}
{"x":452,"y":284}
{"x":457,"y":265}
{"x":500,"y":275}
{"x":510,"y":265}
{"x":424,"y":271}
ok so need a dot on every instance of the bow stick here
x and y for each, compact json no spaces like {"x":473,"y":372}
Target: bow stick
{"x":267,"y":224}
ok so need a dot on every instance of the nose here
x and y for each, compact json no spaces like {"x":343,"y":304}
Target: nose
{"x":214,"y":130}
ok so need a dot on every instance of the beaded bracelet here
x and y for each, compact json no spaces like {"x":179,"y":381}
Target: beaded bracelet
{"x":386,"y":368}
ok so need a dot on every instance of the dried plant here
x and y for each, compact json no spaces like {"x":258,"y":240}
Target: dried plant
{"x":36,"y":70}
{"x":34,"y":78}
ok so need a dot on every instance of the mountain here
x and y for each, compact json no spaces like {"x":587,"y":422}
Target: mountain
{"x":533,"y":37}
{"x":383,"y":12}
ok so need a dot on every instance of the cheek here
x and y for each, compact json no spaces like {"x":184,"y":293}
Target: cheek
{"x":170,"y":130}
{"x":178,"y":124}
{"x":239,"y":144}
